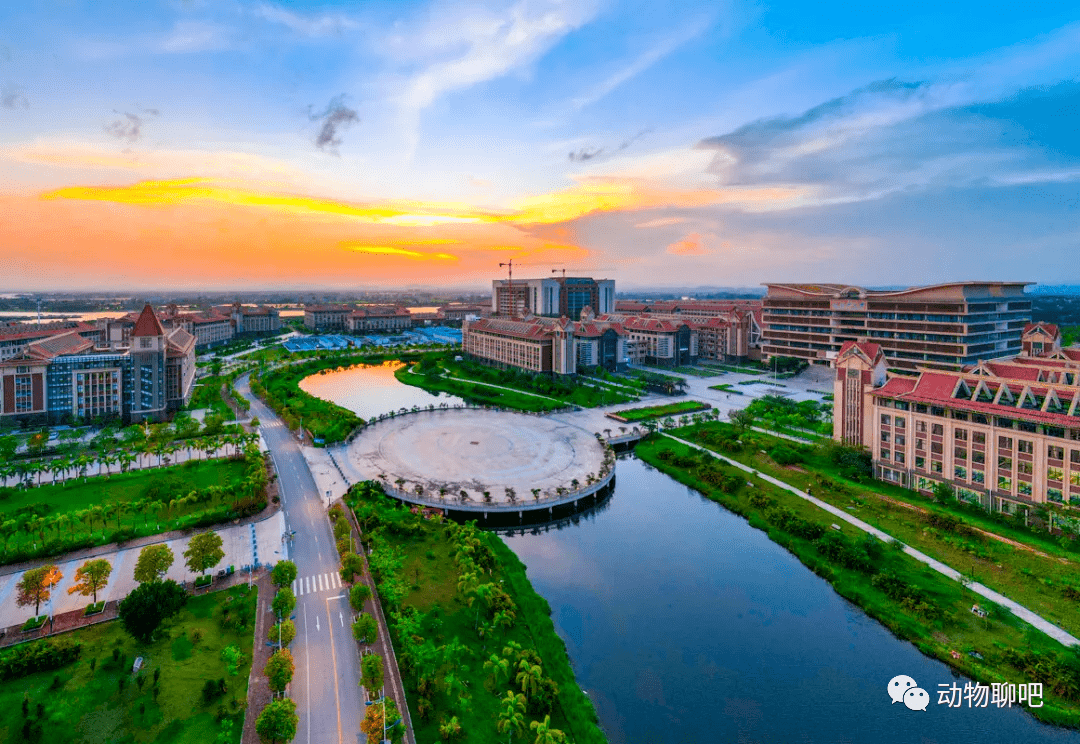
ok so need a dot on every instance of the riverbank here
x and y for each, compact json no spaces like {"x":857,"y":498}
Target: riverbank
{"x":912,"y":601}
{"x":464,"y":618}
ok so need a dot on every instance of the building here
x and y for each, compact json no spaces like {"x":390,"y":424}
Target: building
{"x":15,"y":337}
{"x":556,"y":346}
{"x":146,"y":374}
{"x":251,"y":319}
{"x":554,"y":297}
{"x":1004,"y":433}
{"x":455,"y":312}
{"x":667,"y":341}
{"x":728,"y":330}
{"x":327,"y":317}
{"x":379,"y":318}
{"x":945,"y":326}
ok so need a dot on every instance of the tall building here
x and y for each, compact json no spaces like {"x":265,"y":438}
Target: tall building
{"x":945,"y":326}
{"x":144,"y":374}
{"x":564,"y":296}
{"x":556,"y":346}
{"x":1004,"y":433}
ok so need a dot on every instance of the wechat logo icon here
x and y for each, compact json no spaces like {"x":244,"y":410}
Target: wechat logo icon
{"x":904,"y":689}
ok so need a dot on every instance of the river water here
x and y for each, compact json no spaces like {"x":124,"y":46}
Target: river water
{"x":370,"y":391}
{"x":685,"y":625}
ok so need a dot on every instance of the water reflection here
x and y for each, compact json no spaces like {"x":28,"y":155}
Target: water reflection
{"x":370,"y":390}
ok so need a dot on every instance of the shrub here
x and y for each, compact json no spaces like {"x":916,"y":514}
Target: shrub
{"x":38,"y":656}
{"x":288,"y":632}
{"x":785,"y":455}
{"x":351,"y":565}
{"x":358,"y":595}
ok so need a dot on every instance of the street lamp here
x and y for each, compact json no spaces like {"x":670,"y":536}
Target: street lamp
{"x":382,"y":700}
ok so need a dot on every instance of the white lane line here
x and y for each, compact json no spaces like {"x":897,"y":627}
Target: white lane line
{"x":294,"y":588}
{"x":307,"y":676}
{"x":322,"y":584}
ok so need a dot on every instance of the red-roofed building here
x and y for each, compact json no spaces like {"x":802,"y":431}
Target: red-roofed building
{"x":556,"y":346}
{"x":142,"y":371}
{"x":380,"y":318}
{"x":1002,"y":433}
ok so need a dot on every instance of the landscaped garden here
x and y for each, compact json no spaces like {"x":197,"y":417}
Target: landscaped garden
{"x":443,"y":373}
{"x":670,"y":409}
{"x":912,"y":600}
{"x":802,"y":419}
{"x":476,"y":646}
{"x":191,"y":685}
{"x":1024,"y":562}
{"x":280,"y":389}
{"x":78,"y":513}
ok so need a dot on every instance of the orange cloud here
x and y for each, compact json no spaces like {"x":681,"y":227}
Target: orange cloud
{"x":389,"y":250}
{"x":691,"y":245}
{"x":661,"y":222}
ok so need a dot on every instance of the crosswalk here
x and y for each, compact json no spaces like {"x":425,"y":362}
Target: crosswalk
{"x":325,"y":582}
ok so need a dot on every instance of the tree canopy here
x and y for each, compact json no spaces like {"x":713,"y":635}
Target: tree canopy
{"x":36,"y":586}
{"x":279,"y":670}
{"x":277,"y":722}
{"x":91,"y":577}
{"x":204,"y":552}
{"x":154,"y":562}
{"x":284,"y":574}
{"x":149,"y":605}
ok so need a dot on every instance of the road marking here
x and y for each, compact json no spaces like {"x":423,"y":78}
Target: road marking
{"x":333,"y":656}
{"x":322,"y":585}
{"x":341,"y":618}
{"x":317,"y":623}
{"x":294,"y":589}
{"x":307,"y":676}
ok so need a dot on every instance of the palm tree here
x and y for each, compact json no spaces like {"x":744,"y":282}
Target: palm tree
{"x":499,"y":668}
{"x":545,"y":734}
{"x":450,"y":729}
{"x":512,"y":715}
{"x":529,"y":677}
{"x":536,"y":494}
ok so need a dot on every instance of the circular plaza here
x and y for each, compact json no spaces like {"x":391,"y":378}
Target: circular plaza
{"x":430,"y":457}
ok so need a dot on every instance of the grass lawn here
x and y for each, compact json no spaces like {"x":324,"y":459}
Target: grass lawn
{"x":568,"y":391}
{"x":325,"y":420}
{"x":725,"y":387}
{"x":56,"y":518}
{"x":1035,"y":581}
{"x":479,"y":394}
{"x":934,"y":612}
{"x":207,"y":394}
{"x":743,"y":370}
{"x":87,"y":706}
{"x":430,"y":577}
{"x":698,"y":371}
{"x":670,"y":409}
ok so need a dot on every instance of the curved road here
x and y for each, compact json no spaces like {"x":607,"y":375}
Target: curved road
{"x":325,"y":687}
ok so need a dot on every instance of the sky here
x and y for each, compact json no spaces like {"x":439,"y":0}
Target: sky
{"x":214,"y":144}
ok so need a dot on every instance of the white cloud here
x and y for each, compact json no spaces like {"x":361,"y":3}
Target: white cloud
{"x":644,"y":61}
{"x":323,"y":24}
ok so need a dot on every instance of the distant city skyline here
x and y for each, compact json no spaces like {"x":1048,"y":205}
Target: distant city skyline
{"x":253,"y":145}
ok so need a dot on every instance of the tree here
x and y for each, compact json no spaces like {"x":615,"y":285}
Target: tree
{"x":371,"y":673}
{"x":943,"y":492}
{"x":529,"y":676}
{"x":545,"y":734}
{"x":36,"y":586}
{"x":232,"y":657}
{"x":154,"y":562}
{"x":451,"y":729}
{"x":511,"y":714}
{"x":279,"y":670}
{"x":277,"y":722}
{"x":372,"y":725}
{"x":149,"y":605}
{"x":743,"y":419}
{"x":284,"y":602}
{"x":499,"y":668}
{"x":204,"y":552}
{"x":284,"y":574}
{"x":359,"y":594}
{"x":91,"y":577}
{"x":282,"y":633}
{"x":365,"y":629}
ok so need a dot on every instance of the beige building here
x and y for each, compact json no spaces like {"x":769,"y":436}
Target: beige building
{"x":327,"y":317}
{"x":945,"y":326}
{"x":1004,"y":433}
{"x":380,"y":318}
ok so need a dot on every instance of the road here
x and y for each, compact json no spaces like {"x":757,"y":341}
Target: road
{"x":324,"y":688}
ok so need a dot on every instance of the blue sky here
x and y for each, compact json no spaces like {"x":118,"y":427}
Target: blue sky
{"x":680,"y":143}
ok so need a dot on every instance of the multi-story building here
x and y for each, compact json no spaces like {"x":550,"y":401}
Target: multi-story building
{"x":144,"y":374}
{"x":555,"y":297}
{"x":327,"y":317}
{"x":456,"y":312}
{"x":251,"y":319}
{"x":728,"y":330}
{"x":1003,"y":433}
{"x":15,"y":337}
{"x":665,"y":342}
{"x":380,"y":318}
{"x":945,"y":326}
{"x":557,"y":346}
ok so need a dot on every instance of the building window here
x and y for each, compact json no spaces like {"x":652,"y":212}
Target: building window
{"x":1074,"y":457}
{"x":937,"y":429}
{"x":884,"y":436}
{"x":885,"y":418}
{"x":959,"y":453}
{"x":1055,"y":474}
{"x":901,"y":422}
{"x":920,"y":462}
{"x":960,"y":472}
{"x":1005,"y":443}
{"x":884,"y":454}
{"x":1004,"y":484}
{"x":1055,"y":453}
{"x":920,"y":426}
{"x":1055,"y":495}
{"x":898,"y":458}
{"x":978,"y":458}
{"x":935,"y":466}
{"x":960,"y":435}
{"x":1026,"y":446}
{"x":936,"y":448}
{"x":1024,"y":468}
{"x":900,"y":440}
{"x":977,"y":476}
{"x":1024,"y":489}
{"x":1004,"y":463}
{"x":978,"y":437}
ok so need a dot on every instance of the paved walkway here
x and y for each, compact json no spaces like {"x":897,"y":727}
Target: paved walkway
{"x":237,"y":543}
{"x":1017,"y":609}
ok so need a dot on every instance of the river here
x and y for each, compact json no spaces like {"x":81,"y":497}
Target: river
{"x":685,"y":625}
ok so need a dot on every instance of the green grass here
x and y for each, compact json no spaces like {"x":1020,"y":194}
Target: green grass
{"x":726,"y":387}
{"x":146,"y":500}
{"x":998,"y":638}
{"x":732,"y":368}
{"x":1035,"y":581}
{"x":478,"y":394}
{"x":697,"y":371}
{"x":670,"y":409}
{"x":207,"y":394}
{"x":281,"y":391}
{"x":431,"y":589}
{"x":84,"y":706}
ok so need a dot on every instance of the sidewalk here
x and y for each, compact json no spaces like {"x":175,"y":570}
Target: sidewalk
{"x":1017,"y":609}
